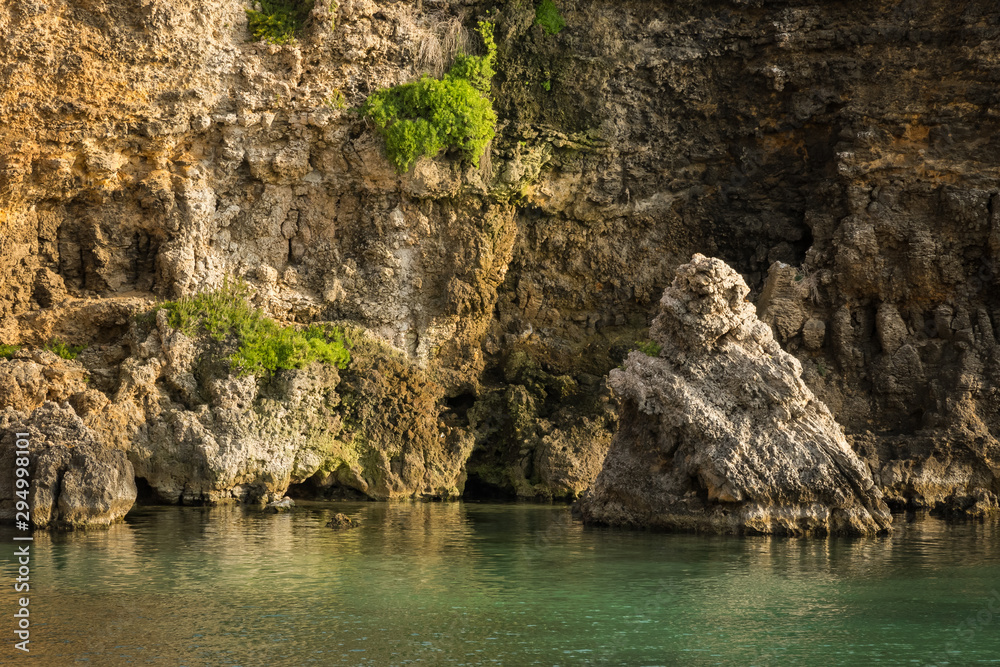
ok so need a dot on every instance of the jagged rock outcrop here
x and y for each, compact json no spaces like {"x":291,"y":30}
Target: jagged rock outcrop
{"x":719,"y":432}
{"x":916,"y":389}
{"x":76,"y":481}
{"x":197,"y":432}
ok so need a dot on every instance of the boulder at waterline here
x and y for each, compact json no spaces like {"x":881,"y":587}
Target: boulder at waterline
{"x":278,"y":506}
{"x":75,"y":481}
{"x":719,"y":433}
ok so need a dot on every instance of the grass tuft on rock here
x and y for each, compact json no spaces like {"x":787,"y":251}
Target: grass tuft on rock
{"x":278,"y":21}
{"x":264,"y":345}
{"x":64,"y":350}
{"x":430,"y":115}
{"x":649,"y":348}
{"x":7,"y":351}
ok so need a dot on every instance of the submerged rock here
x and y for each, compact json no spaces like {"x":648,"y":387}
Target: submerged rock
{"x":282,"y":505}
{"x":76,"y":481}
{"x":719,"y":433}
{"x":342,"y":522}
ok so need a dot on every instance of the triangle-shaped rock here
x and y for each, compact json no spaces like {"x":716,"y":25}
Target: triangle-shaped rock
{"x":719,"y":433}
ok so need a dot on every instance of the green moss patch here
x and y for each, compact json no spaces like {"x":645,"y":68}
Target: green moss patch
{"x":264,"y":345}
{"x":547,"y":15}
{"x":278,"y":21}
{"x":430,"y":115}
{"x":649,"y":348}
{"x":7,"y":351}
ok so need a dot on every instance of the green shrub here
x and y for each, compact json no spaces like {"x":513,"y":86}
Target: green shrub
{"x":278,"y":21}
{"x":7,"y":351}
{"x":63,"y":350}
{"x":427,"y":116}
{"x":264,"y":345}
{"x":649,"y":348}
{"x":547,"y":15}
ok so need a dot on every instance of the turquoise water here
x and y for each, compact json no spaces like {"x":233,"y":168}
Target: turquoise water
{"x":485,"y":584}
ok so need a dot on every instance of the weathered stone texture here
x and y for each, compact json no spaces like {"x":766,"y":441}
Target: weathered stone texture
{"x":148,"y":149}
{"x":719,"y":433}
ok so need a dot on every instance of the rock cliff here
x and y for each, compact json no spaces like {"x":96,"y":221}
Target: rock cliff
{"x":718,"y":432}
{"x":841,"y":157}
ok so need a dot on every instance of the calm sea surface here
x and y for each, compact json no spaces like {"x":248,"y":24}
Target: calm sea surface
{"x":489,"y":584}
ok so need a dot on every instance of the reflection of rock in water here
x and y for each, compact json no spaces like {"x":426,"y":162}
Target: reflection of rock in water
{"x":719,"y":432}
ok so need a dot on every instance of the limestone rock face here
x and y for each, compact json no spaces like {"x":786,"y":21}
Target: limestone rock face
{"x":719,"y":432}
{"x":143,"y":156}
{"x":166,"y":409}
{"x":76,"y":481}
{"x":198,"y":433}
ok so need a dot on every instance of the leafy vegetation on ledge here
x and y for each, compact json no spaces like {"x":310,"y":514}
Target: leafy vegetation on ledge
{"x":547,"y":15}
{"x":278,"y":21}
{"x":264,"y":345}
{"x":649,"y":348}
{"x":427,"y":116}
{"x":64,"y":350}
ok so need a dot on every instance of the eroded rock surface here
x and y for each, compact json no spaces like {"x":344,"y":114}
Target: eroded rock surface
{"x":149,"y":149}
{"x":168,"y":408}
{"x":76,"y":481}
{"x":197,"y":432}
{"x":720,"y":433}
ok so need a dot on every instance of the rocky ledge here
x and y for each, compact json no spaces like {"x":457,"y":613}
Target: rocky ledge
{"x":719,"y":433}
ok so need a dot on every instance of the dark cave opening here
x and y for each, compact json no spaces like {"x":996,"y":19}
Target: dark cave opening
{"x":318,"y":487}
{"x":459,"y":405}
{"x":478,"y":489}
{"x":145,"y":494}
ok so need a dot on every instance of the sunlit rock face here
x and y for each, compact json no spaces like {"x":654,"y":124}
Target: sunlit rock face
{"x":75,"y":480}
{"x":839,"y":155}
{"x":719,"y":433}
